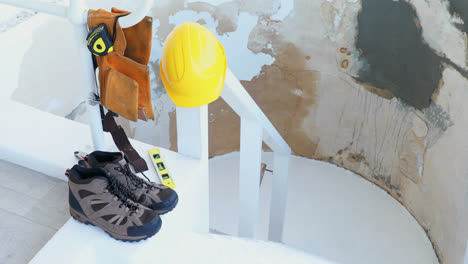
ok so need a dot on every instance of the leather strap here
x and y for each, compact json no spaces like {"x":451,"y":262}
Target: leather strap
{"x":121,"y":139}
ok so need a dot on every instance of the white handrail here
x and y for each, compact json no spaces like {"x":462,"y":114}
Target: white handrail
{"x":137,"y":15}
{"x":78,"y":17}
{"x":44,"y":7}
{"x":242,"y":103}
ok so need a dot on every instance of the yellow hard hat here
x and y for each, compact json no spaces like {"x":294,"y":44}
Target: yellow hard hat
{"x":193,"y":66}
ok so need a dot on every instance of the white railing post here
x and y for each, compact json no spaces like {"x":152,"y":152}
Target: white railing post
{"x":192,"y":141}
{"x":192,"y":131}
{"x":254,"y":120}
{"x":278,"y":196}
{"x":249,"y":176}
{"x":466,"y":253}
{"x":78,"y":16}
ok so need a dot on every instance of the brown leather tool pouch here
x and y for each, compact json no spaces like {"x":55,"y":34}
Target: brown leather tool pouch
{"x":121,"y":95}
{"x":130,"y":58}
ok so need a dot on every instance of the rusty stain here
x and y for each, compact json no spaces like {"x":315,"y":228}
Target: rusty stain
{"x":344,"y":64}
{"x":343,"y":50}
{"x":384,"y":182}
{"x":307,"y":57}
{"x":349,"y":53}
{"x":437,"y":91}
{"x":380,"y":92}
{"x":355,"y":157}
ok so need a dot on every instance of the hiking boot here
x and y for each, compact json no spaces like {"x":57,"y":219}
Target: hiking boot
{"x":158,"y":197}
{"x":97,"y":198}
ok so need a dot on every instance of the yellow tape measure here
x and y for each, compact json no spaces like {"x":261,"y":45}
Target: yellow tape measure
{"x":100,"y":42}
{"x":161,"y":168}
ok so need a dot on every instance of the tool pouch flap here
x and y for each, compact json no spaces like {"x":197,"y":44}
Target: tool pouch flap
{"x":133,"y":70}
{"x":121,"y":95}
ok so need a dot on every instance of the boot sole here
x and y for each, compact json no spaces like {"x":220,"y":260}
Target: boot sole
{"x":85,"y":220}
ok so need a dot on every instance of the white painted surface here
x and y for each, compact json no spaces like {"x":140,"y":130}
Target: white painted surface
{"x":279,"y":192}
{"x":88,"y":74}
{"x":330,"y":212}
{"x":163,"y":248}
{"x":249,"y":176}
{"x":192,"y":131}
{"x":44,"y":7}
{"x":192,"y":141}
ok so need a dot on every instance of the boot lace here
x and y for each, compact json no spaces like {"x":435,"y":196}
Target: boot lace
{"x":134,"y":179}
{"x":122,"y":194}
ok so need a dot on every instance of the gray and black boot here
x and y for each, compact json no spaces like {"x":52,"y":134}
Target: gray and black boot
{"x":97,"y":198}
{"x":158,"y":197}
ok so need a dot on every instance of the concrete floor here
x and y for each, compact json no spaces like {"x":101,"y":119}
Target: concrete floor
{"x":33,"y":207}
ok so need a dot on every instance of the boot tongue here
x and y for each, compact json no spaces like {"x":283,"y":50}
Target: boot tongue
{"x":120,"y":159}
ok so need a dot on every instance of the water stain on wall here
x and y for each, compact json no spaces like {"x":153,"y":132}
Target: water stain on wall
{"x":283,"y":94}
{"x":398,"y":59}
{"x":285,"y":91}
